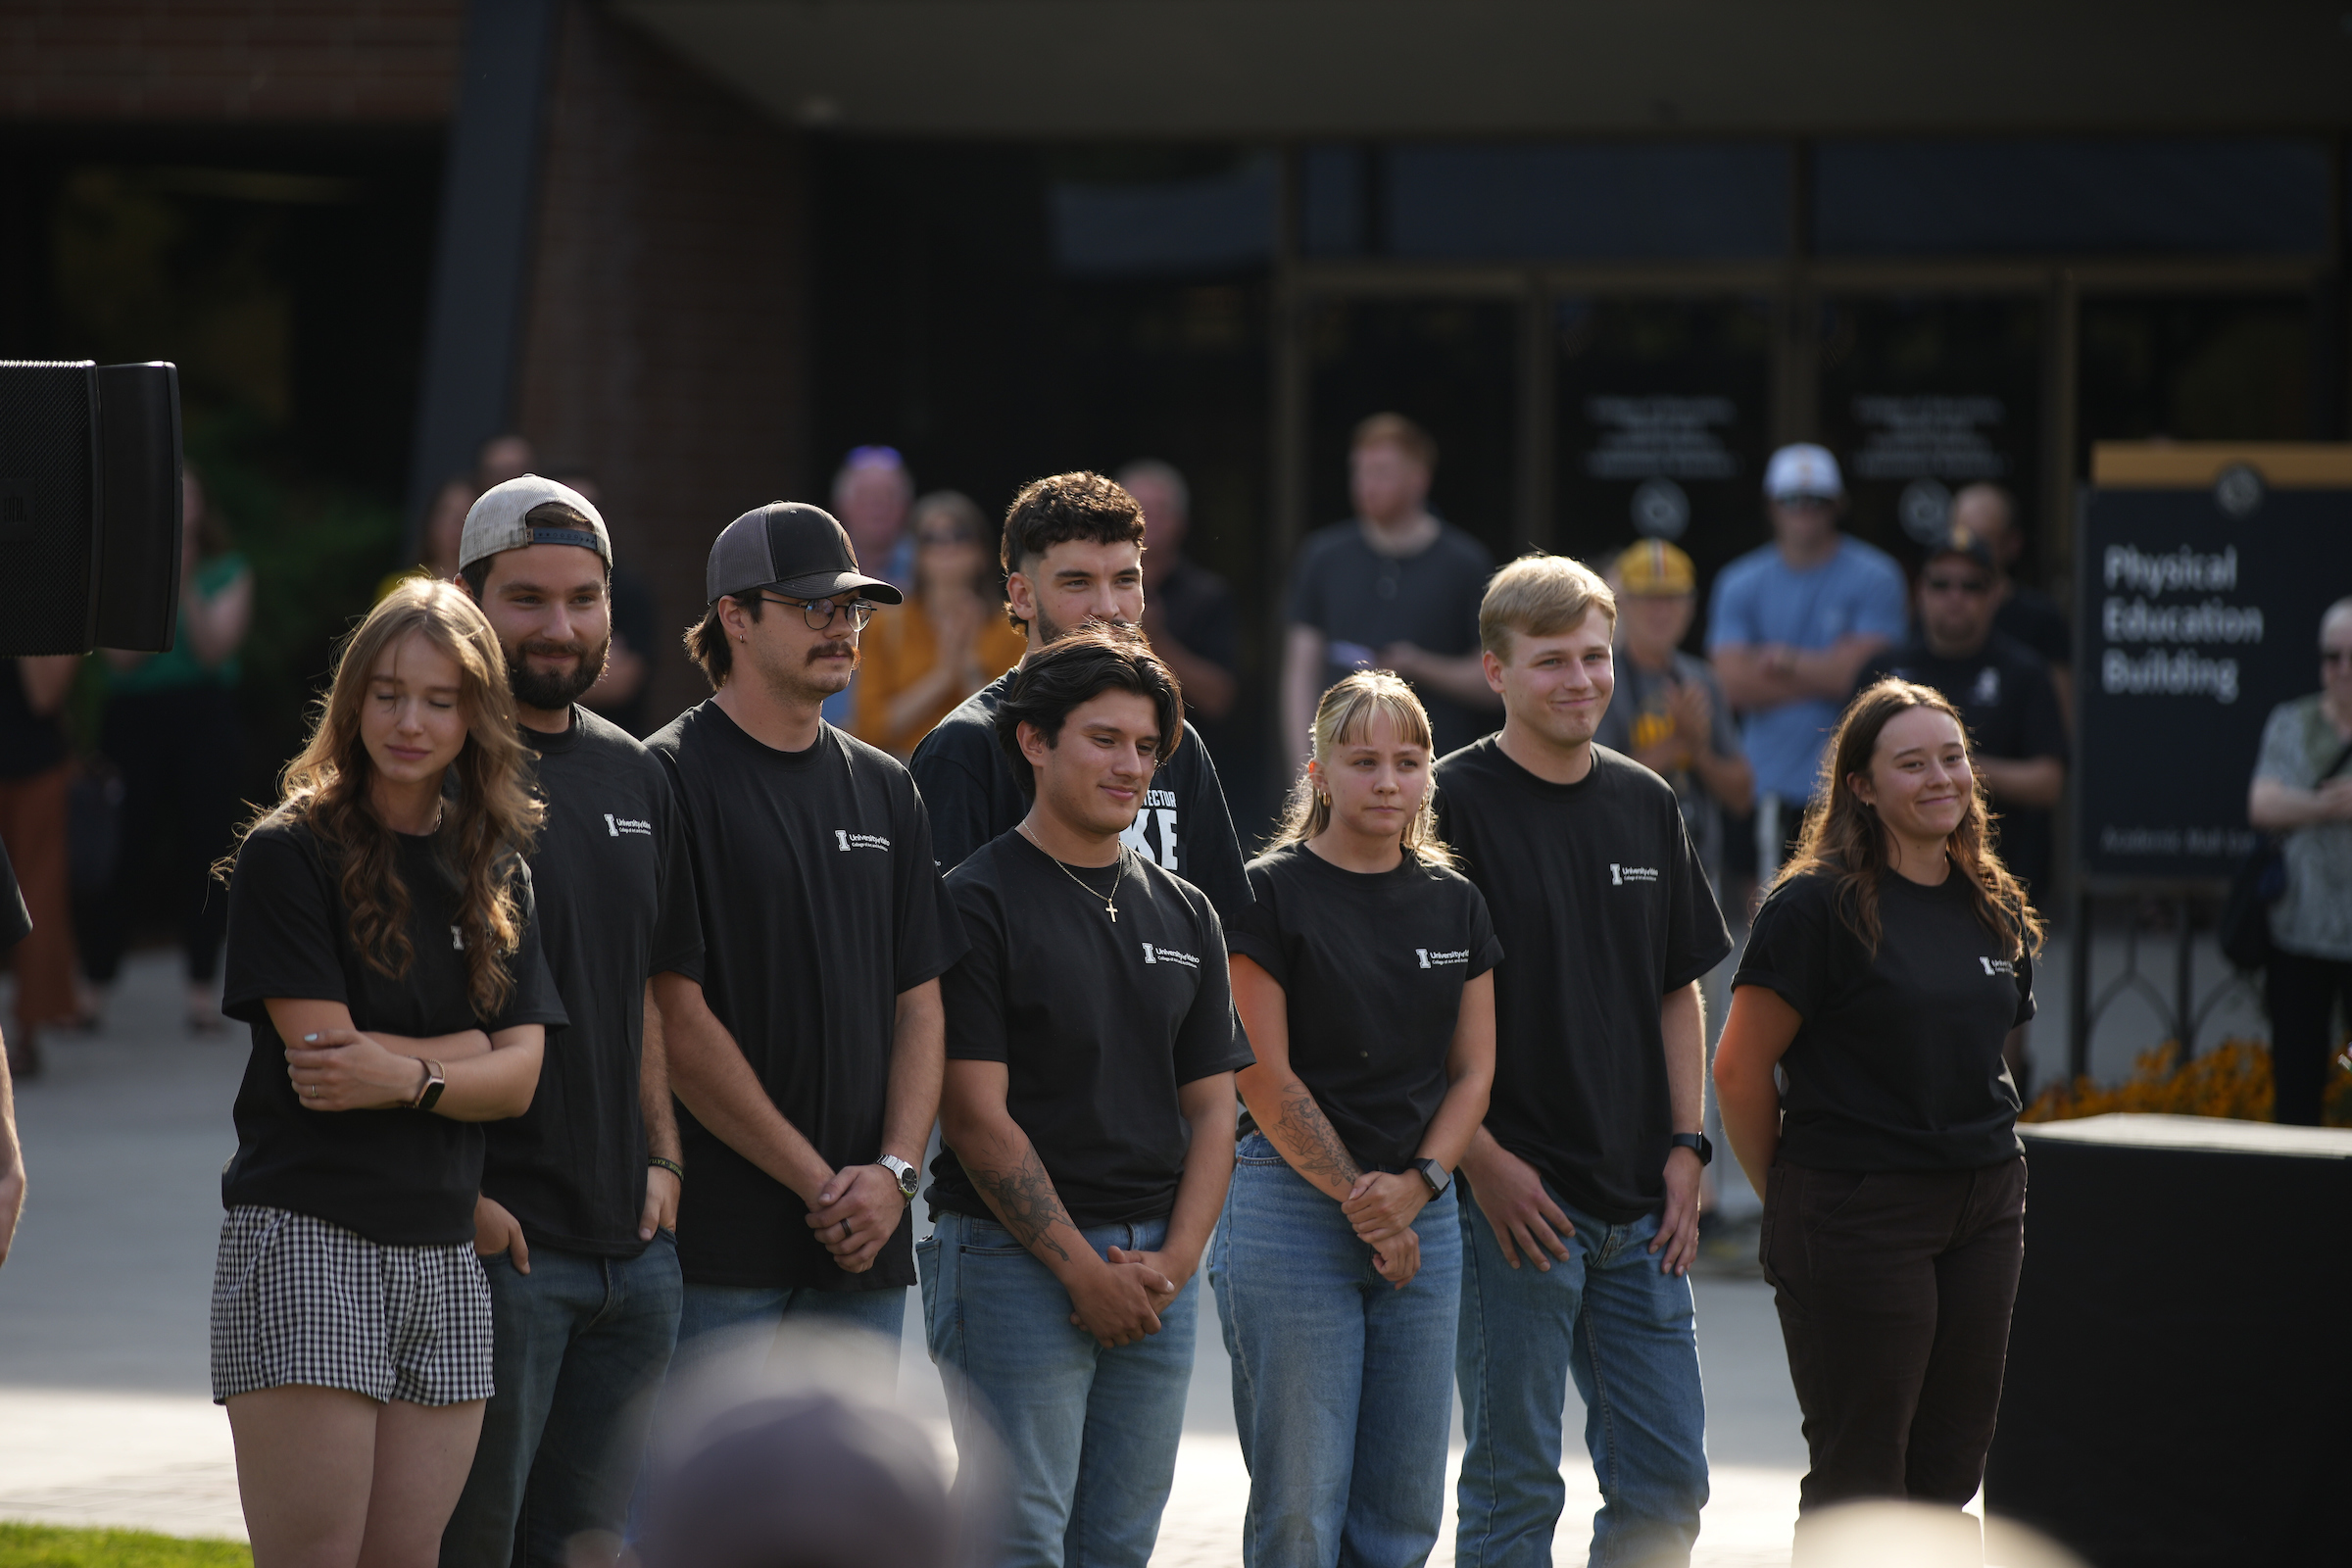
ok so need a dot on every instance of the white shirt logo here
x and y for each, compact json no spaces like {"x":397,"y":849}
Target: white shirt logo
{"x":1152,"y":955}
{"x":456,"y":938}
{"x":1620,"y":875}
{"x":616,"y":826}
{"x":1423,"y":955}
{"x":1431,"y":959}
{"x":848,"y":841}
{"x":1988,"y":685}
{"x":1997,"y":966}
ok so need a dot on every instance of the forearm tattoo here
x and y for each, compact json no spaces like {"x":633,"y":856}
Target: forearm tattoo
{"x":1307,"y":1140}
{"x":1025,"y":1199}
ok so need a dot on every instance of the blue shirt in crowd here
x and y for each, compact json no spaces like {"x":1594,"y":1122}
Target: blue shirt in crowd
{"x":1760,"y":599}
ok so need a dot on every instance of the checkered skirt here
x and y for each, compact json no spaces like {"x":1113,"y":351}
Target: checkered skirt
{"x":299,"y":1301}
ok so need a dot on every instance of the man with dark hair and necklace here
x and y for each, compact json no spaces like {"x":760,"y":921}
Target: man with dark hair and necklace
{"x":1088,"y":1116}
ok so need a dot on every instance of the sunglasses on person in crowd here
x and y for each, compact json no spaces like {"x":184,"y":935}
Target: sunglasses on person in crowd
{"x":1955,"y":585}
{"x":819,"y":613}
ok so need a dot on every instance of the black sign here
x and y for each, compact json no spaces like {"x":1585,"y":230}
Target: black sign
{"x":2198,"y":612}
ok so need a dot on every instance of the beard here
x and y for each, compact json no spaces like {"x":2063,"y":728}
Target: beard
{"x":1051,"y":631}
{"x":550,"y":690}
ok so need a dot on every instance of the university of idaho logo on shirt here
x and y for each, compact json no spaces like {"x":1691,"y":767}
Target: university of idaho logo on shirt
{"x":845,"y":841}
{"x":1159,"y":955}
{"x":1430,"y":960}
{"x":1621,"y":875}
{"x":1997,"y":966}
{"x":616,"y":826}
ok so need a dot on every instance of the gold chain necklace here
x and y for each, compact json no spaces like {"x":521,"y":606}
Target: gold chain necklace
{"x":1110,"y":905}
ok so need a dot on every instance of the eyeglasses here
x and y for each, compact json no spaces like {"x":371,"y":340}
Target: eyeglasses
{"x":1955,"y":585}
{"x":819,"y":613}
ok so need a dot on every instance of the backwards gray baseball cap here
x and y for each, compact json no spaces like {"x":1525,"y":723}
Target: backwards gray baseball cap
{"x":796,"y":549}
{"x":500,"y":521}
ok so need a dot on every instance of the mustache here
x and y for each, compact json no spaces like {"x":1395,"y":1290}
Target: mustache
{"x":835,"y":649}
{"x":545,"y":649}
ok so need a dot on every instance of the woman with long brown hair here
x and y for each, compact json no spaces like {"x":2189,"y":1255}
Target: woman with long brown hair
{"x":1363,"y":974}
{"x":382,"y":946}
{"x":1883,"y":976}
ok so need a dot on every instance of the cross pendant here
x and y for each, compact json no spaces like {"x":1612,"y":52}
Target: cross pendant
{"x":1112,"y":910}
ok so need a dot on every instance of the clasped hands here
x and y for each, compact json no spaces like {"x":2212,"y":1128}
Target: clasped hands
{"x":856,"y":1211}
{"x":1382,"y":1205}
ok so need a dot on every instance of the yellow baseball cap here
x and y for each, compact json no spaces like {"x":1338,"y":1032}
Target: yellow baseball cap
{"x":1655,"y":569}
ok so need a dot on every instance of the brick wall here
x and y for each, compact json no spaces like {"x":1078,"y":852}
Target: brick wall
{"x":333,"y":61}
{"x":665,"y":344}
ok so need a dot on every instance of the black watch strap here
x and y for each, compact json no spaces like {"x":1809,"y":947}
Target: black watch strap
{"x":1698,"y":1144}
{"x":1436,"y":1175}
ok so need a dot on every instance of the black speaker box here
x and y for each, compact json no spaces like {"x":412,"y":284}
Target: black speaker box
{"x":89,"y":507}
{"x":2179,"y":1391}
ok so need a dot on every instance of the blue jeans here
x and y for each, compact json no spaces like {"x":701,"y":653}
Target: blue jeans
{"x":1339,"y":1380}
{"x":712,"y":1307}
{"x":579,"y":1342}
{"x":1089,"y":1433}
{"x":1626,"y":1333}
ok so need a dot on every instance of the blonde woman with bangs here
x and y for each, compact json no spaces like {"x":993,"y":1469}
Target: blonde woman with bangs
{"x":1363,"y":973}
{"x":383,"y":948}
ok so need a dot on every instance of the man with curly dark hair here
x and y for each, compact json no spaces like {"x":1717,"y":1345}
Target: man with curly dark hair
{"x":1073,"y":553}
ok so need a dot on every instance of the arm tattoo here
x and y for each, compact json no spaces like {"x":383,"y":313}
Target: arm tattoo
{"x":1025,"y":1199}
{"x":1308,"y":1141}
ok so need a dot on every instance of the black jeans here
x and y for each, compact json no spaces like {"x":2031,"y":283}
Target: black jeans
{"x":2302,"y":993}
{"x":180,"y":753}
{"x":1894,"y":1290}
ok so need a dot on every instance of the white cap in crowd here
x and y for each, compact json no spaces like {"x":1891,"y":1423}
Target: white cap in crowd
{"x":1802,"y":470}
{"x":499,"y":521}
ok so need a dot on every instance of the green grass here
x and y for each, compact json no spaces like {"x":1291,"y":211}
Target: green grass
{"x":54,"y":1546}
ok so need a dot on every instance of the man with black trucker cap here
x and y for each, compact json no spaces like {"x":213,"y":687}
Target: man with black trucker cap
{"x":576,"y":1219}
{"x":807,"y":1059}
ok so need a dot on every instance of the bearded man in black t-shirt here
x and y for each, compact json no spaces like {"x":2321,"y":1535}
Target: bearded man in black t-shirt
{"x":1073,"y":552}
{"x":1585,"y":1173}
{"x":576,"y":1219}
{"x":1088,"y":1120}
{"x":807,"y":1059}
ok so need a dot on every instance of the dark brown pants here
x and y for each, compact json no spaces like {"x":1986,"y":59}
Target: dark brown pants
{"x":1894,"y":1290}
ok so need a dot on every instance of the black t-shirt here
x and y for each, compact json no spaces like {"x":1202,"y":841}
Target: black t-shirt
{"x":16,"y":922}
{"x":2033,"y":618}
{"x":1372,"y":967}
{"x":1897,"y":1064}
{"x":820,"y":905}
{"x":1099,"y":1022}
{"x":1602,"y":908}
{"x":398,"y":1177}
{"x":969,"y":789}
{"x":616,"y":905}
{"x":2004,"y":694}
{"x":1361,"y":601}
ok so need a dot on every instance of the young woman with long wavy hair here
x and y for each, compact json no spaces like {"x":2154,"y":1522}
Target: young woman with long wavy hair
{"x":1883,"y":976}
{"x":382,"y":946}
{"x":1364,"y":975}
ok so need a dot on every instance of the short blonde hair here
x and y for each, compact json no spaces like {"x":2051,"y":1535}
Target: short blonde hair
{"x":1346,"y":713}
{"x":1395,"y":430}
{"x":1541,"y":596}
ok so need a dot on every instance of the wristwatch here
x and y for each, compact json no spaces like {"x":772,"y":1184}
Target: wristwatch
{"x":430,"y":1095}
{"x":1698,"y":1144}
{"x":1436,"y":1175}
{"x":907,"y":1176}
